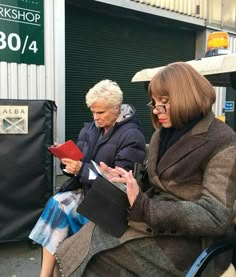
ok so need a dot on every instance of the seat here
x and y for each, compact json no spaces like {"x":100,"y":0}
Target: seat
{"x":209,"y":253}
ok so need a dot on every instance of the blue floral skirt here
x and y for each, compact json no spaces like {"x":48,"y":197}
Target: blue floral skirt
{"x":59,"y":220}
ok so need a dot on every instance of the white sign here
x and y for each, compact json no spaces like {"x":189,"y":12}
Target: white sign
{"x":13,"y":119}
{"x":229,"y":106}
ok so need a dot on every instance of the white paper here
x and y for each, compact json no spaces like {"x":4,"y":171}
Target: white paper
{"x":96,"y":166}
{"x":92,"y":175}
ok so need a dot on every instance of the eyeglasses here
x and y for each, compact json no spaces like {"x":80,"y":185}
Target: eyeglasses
{"x":159,"y":108}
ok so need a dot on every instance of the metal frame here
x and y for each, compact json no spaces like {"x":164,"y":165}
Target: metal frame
{"x":208,"y":254}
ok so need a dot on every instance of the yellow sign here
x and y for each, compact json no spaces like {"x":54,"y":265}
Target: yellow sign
{"x":218,"y":40}
{"x":221,"y":117}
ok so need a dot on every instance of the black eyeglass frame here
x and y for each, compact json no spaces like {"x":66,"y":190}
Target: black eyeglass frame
{"x":159,"y":108}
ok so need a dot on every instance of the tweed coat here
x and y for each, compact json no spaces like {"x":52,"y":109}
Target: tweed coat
{"x":191,"y":203}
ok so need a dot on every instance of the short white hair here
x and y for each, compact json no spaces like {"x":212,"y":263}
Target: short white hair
{"x":105,"y":90}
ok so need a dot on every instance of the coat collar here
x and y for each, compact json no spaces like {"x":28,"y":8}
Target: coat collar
{"x":186,"y":144}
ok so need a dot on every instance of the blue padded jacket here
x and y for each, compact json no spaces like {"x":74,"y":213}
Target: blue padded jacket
{"x":123,"y":145}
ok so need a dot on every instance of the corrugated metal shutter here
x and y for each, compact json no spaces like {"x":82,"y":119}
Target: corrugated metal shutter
{"x":104,"y":47}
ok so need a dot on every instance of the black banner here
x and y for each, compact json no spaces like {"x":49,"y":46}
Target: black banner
{"x":26,"y":166}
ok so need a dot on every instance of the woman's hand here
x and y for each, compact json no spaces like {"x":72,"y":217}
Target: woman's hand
{"x":108,"y":171}
{"x":122,"y":176}
{"x":71,"y":166}
{"x":56,"y":144}
{"x":132,"y":186}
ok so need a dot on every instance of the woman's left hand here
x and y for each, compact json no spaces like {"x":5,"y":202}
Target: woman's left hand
{"x":109,"y":172}
{"x":71,"y":166}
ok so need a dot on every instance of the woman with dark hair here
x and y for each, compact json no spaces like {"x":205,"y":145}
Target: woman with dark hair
{"x":190,"y":202}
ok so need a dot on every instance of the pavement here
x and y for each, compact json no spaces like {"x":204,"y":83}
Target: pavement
{"x":22,"y":259}
{"x":19,"y":259}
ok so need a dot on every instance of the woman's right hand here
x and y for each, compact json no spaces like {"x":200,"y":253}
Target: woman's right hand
{"x":132,"y":186}
{"x":121,"y":175}
{"x":56,"y":144}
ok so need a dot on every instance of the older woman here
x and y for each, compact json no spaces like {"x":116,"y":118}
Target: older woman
{"x":114,"y":137}
{"x":191,"y":199}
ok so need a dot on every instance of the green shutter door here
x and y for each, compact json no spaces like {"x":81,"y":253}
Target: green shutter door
{"x":103,"y":47}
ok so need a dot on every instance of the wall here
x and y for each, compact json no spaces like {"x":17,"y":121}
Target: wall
{"x":23,"y":81}
{"x":195,"y":8}
{"x":220,"y":91}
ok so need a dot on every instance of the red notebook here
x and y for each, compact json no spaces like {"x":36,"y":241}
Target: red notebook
{"x":67,"y":150}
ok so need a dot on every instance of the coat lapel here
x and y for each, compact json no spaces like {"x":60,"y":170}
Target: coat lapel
{"x":186,"y":144}
{"x":152,"y":160}
{"x":181,"y":148}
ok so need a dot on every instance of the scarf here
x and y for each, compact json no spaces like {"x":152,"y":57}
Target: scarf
{"x":169,"y":136}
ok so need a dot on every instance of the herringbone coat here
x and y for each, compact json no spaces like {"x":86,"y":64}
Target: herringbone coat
{"x":190,"y":205}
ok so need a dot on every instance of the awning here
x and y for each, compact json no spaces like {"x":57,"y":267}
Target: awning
{"x":219,"y":70}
